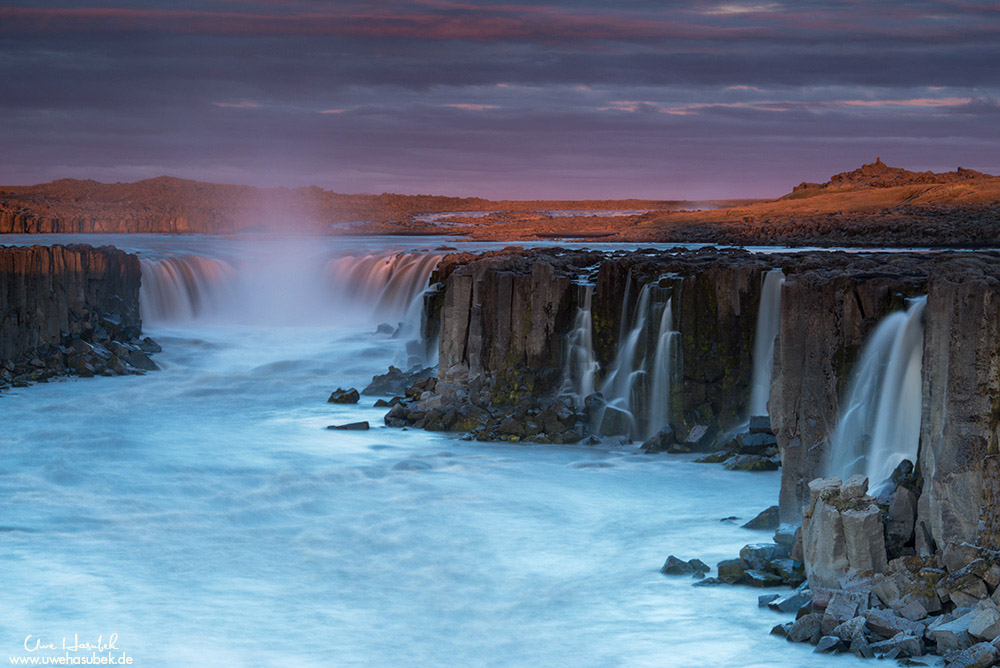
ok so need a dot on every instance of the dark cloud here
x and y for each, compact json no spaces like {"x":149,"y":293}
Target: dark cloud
{"x":561,"y":98}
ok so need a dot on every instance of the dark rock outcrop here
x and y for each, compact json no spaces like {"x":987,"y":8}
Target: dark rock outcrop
{"x":69,"y":310}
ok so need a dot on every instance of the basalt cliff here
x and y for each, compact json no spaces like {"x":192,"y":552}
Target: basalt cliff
{"x":69,"y":310}
{"x":667,"y":359}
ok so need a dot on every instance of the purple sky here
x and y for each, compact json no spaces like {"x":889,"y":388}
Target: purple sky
{"x":553,"y":98}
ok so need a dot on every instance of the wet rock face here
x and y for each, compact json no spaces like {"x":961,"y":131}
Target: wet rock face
{"x":959,"y":434}
{"x":69,"y":310}
{"x":825,"y":319}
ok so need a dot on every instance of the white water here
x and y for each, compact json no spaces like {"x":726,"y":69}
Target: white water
{"x":640,"y":379}
{"x":768,"y":326}
{"x":879,"y":425}
{"x":205,"y":515}
{"x":665,"y":367}
{"x":581,"y":365}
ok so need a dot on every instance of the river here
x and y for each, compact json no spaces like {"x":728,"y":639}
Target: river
{"x":205,"y":515}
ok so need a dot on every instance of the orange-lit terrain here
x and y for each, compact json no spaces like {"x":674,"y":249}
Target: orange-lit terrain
{"x":872,"y":205}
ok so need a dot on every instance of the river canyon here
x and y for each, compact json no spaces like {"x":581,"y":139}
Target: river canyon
{"x":527,"y":510}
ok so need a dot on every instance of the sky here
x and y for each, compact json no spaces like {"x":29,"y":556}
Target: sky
{"x":573,"y":99}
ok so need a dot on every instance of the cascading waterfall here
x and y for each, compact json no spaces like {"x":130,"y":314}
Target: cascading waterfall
{"x":768,"y":326}
{"x":283,"y":283}
{"x":879,"y":424}
{"x":626,"y":388}
{"x":388,"y":283}
{"x":580,"y":370}
{"x":664,"y":368}
{"x":184,"y":287}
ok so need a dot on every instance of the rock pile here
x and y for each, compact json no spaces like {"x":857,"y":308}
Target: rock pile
{"x":442,"y":406}
{"x":753,"y":450}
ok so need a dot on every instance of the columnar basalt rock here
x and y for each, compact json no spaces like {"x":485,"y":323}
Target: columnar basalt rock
{"x":69,"y":309}
{"x":960,"y":434}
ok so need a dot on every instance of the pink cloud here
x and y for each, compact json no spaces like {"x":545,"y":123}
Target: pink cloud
{"x":243,"y":104}
{"x":472,"y":107}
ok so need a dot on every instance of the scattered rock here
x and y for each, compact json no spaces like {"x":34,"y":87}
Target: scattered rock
{"x":829,"y":645}
{"x":675,"y":566}
{"x":765,"y":521}
{"x":342,"y":396}
{"x":351,"y":426}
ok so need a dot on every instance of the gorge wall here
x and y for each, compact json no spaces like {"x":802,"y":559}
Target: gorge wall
{"x":69,"y":309}
{"x":505,"y":322}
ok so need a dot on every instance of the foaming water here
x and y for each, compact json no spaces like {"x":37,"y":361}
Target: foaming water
{"x":205,"y":515}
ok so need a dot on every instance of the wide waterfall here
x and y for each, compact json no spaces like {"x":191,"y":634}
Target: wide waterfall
{"x":879,"y":424}
{"x":388,"y":283}
{"x":637,"y":387}
{"x":279,"y":284}
{"x":768,"y":326}
{"x":184,"y":287}
{"x":580,"y":369}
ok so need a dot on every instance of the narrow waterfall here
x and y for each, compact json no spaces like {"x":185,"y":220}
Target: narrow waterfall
{"x":184,"y":287}
{"x":768,"y":326}
{"x":879,"y":425}
{"x":637,"y":387}
{"x":580,"y":369}
{"x":664,"y":368}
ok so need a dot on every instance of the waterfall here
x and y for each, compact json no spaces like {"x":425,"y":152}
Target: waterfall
{"x":388,"y":283}
{"x":289,"y":283}
{"x":879,"y":425}
{"x":626,"y":388}
{"x":184,"y":287}
{"x":664,"y":368}
{"x":768,"y":325}
{"x":580,"y":369}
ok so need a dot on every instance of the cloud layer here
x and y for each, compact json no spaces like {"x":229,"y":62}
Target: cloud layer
{"x":548,"y":99}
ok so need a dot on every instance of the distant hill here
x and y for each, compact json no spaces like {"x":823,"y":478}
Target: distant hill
{"x":172,"y":205}
{"x":880,"y":175}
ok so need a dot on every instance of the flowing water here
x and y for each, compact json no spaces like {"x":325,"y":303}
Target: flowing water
{"x":204,"y":515}
{"x":768,"y":326}
{"x":879,"y":425}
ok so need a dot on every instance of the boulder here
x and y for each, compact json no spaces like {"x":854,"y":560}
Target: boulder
{"x":854,"y":487}
{"x":846,"y":605}
{"x":342,"y":396}
{"x":980,"y":655}
{"x":731,"y":570}
{"x":661,"y":441}
{"x":676,"y":566}
{"x":953,"y":635}
{"x":790,"y":602}
{"x":900,"y":645}
{"x":765,"y":521}
{"x":615,"y":421}
{"x":351,"y":426}
{"x":829,"y":645}
{"x":756,"y":578}
{"x":850,"y":629}
{"x":395,"y":381}
{"x":887,"y":624}
{"x":758,"y":555}
{"x":984,"y":622}
{"x":807,"y":628}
